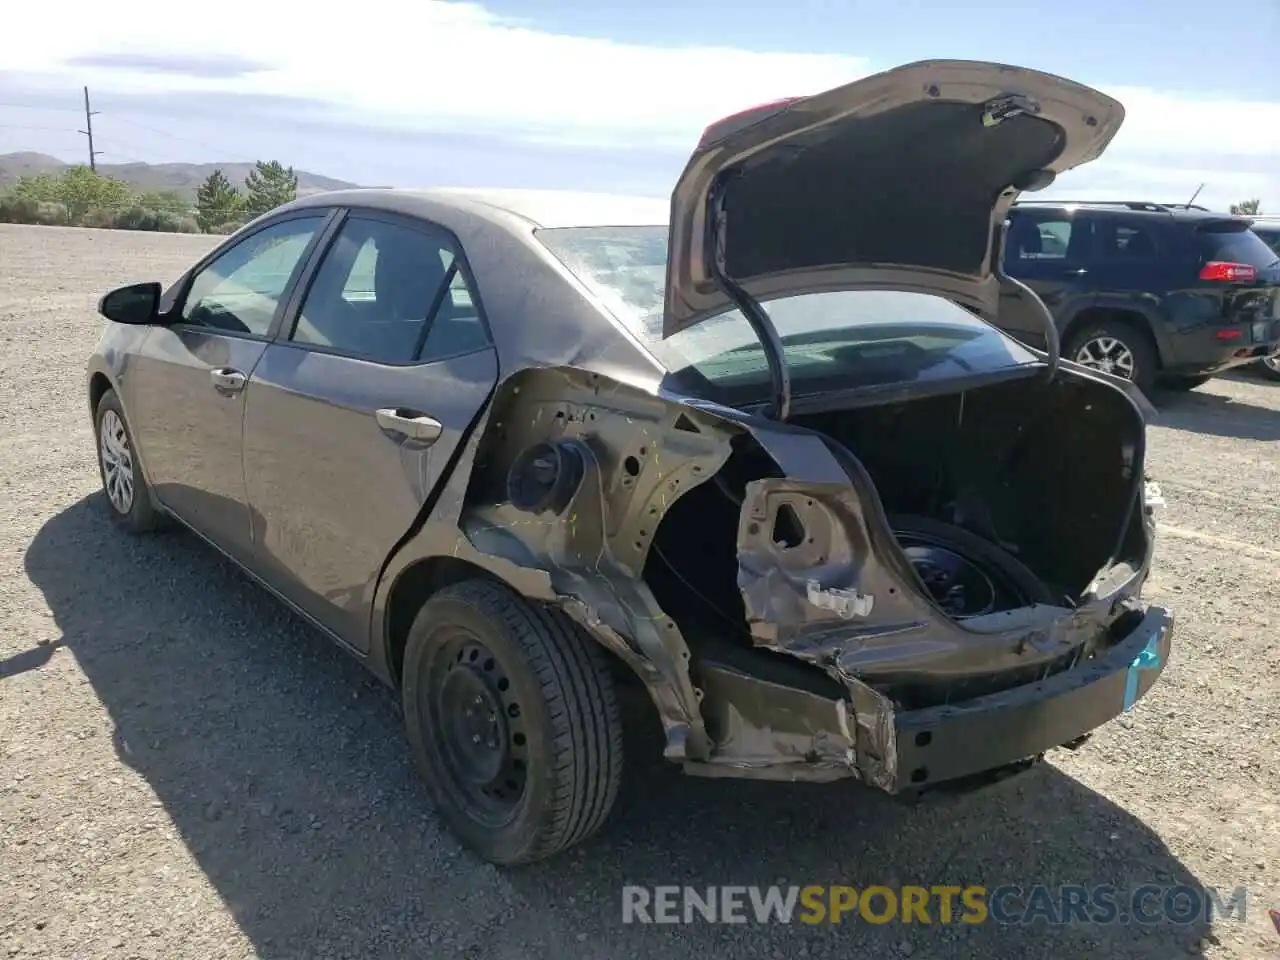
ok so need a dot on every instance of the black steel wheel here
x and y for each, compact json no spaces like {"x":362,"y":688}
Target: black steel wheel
{"x":512,"y":720}
{"x":481,"y":726}
{"x":966,"y":575}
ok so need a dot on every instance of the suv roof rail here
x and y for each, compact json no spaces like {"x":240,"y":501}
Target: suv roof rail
{"x":1142,"y":205}
{"x":1185,"y":206}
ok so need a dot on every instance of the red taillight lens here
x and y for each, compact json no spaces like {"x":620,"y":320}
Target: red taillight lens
{"x":1221,"y":270}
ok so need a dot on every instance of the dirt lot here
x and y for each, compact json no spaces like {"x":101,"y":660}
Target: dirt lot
{"x":187,"y":772}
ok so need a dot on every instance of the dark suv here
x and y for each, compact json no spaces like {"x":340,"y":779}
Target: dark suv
{"x":1154,"y":293}
{"x":1268,"y":228}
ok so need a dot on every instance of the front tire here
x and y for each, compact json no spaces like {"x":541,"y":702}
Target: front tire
{"x":512,"y":721}
{"x":1269,"y":367}
{"x":1115,"y":347}
{"x":126,"y":492}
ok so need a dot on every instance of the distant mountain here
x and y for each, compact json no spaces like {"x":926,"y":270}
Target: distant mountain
{"x":182,"y":177}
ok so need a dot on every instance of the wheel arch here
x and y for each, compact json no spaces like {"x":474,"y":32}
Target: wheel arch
{"x":99,"y":384}
{"x":424,"y":578}
{"x":1129,"y":314}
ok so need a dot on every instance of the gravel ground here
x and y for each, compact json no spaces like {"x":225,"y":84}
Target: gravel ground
{"x":188,"y":772}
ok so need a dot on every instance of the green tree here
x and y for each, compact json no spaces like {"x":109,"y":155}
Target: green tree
{"x":35,"y":188}
{"x":269,"y":185}
{"x":1247,"y":208}
{"x":217,"y":202}
{"x":81,"y":190}
{"x":164,"y":201}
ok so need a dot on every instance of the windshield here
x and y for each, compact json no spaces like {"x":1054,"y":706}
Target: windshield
{"x":832,"y":340}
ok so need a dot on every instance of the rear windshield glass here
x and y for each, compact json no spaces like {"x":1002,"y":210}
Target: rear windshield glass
{"x":834,"y":340}
{"x":1270,"y":235}
{"x":1235,"y":244}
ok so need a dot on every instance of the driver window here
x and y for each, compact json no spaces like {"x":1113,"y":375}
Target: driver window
{"x":240,"y":290}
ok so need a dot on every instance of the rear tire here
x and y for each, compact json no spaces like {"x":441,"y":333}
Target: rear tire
{"x":125,"y":490}
{"x":512,"y":721}
{"x":1115,"y":346}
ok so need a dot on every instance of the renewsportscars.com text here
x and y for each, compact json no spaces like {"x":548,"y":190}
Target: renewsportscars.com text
{"x":941,"y":904}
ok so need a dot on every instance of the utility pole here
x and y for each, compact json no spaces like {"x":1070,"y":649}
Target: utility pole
{"x":88,"y":132}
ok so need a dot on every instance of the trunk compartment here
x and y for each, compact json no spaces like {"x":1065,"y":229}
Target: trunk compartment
{"x":1027,"y":486}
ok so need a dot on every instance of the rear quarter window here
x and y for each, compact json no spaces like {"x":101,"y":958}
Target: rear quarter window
{"x":1233,"y":243}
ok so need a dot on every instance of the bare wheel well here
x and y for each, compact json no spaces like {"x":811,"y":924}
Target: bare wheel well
{"x":412,"y":589}
{"x":98,"y":386}
{"x":415,"y":587}
{"x":1129,"y":318}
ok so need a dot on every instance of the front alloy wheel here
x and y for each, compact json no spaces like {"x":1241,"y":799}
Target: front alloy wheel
{"x":127,"y":494}
{"x":1270,"y":366}
{"x":117,"y":462}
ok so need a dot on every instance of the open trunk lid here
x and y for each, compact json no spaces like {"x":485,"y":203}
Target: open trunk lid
{"x":897,"y":181}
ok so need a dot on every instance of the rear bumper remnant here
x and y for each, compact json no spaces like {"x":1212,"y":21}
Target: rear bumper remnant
{"x":767,"y":730}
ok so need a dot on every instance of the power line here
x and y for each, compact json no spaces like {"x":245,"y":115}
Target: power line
{"x":172,"y":136}
{"x":109,"y":114}
{"x":31,"y":106}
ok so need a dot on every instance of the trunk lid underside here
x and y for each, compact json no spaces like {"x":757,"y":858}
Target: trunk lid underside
{"x":895,"y":181}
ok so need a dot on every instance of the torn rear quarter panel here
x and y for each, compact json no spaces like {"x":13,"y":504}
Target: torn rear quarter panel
{"x":633,"y":455}
{"x":573,"y":475}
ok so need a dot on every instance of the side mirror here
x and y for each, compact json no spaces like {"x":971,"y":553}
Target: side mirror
{"x":137,"y":304}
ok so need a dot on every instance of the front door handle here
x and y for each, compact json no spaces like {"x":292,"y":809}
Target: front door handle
{"x":226,"y":380}
{"x":398,"y":421}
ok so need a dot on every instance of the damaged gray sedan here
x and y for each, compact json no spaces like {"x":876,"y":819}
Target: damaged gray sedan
{"x":764,"y":450}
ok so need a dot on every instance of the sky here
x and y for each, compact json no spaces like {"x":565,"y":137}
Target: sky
{"x":612,"y":95}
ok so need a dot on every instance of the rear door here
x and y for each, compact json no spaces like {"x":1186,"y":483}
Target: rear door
{"x":186,"y":384}
{"x":1049,"y":251}
{"x":353,"y":413}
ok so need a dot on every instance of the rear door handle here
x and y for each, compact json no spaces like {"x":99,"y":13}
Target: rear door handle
{"x":226,"y":380}
{"x":398,"y":421}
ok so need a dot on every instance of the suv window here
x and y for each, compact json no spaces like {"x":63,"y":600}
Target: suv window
{"x":241,"y":289}
{"x":1036,"y":239}
{"x":1125,"y":241}
{"x":1234,"y":243}
{"x":390,"y":293}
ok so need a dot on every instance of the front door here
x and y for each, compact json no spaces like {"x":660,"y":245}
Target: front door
{"x":1049,"y":252}
{"x":353,"y":414}
{"x":187,"y":397}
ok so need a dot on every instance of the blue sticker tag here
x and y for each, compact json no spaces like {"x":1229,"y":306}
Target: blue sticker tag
{"x":1148,"y":659}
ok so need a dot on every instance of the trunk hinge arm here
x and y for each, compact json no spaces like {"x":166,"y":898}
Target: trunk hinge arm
{"x":1052,"y":341}
{"x":750,"y":307}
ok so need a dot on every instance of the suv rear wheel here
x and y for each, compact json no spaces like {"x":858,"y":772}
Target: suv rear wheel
{"x":512,"y":720}
{"x":1115,"y":347}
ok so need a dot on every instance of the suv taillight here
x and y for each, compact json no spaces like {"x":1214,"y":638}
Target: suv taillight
{"x":1221,"y":270}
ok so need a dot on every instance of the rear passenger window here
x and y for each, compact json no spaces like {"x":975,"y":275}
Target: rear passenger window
{"x":1118,"y":241}
{"x":1032,"y":240}
{"x":391,"y":293}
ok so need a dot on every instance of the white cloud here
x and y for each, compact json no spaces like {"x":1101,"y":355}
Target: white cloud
{"x":436,"y":66}
{"x":433,"y":64}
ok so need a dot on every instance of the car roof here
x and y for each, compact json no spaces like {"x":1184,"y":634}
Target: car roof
{"x":1136,"y":208}
{"x":540,"y":208}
